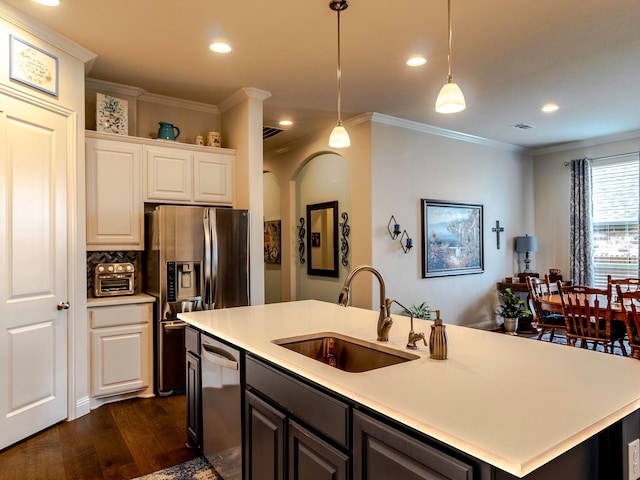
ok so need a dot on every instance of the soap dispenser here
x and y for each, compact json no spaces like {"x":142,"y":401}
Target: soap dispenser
{"x":438,"y":339}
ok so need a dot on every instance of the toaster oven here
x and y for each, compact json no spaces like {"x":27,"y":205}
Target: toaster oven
{"x":111,"y":279}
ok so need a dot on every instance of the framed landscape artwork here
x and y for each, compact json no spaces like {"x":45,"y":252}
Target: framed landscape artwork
{"x":451,"y":238}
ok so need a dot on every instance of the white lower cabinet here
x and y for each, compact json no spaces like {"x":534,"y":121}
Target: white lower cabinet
{"x":121,"y":349}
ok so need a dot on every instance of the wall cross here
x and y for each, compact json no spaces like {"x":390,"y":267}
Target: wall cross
{"x":498,"y":229}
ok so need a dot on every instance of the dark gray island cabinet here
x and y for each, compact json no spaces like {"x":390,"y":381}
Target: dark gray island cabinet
{"x":473,"y":416}
{"x":296,"y":430}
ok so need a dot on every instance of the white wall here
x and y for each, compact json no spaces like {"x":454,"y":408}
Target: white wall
{"x":272,"y":271}
{"x":552,"y":192}
{"x":394,"y":163}
{"x":324,"y":178}
{"x":410,"y":164}
{"x":242,"y":130}
{"x":286,"y":164}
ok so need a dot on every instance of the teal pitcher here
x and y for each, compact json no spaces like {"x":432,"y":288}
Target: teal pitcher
{"x":168,"y":131}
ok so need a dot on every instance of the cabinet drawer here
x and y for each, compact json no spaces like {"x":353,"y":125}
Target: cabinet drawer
{"x":381,"y":452}
{"x":318,"y":410}
{"x":192,"y":340}
{"x":119,"y":315}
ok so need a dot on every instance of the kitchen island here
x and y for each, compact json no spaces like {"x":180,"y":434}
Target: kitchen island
{"x":518,"y":406}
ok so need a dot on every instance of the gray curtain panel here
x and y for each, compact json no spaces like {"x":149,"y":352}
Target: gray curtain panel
{"x":581,"y":231}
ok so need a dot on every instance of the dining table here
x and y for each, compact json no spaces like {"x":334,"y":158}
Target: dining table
{"x":553,"y":303}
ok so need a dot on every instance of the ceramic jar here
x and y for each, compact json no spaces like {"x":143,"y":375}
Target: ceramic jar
{"x":213,"y":139}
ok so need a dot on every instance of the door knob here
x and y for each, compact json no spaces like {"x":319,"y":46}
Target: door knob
{"x":63,"y":306}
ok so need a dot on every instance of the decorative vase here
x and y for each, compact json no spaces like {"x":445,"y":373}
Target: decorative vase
{"x":511,"y":326}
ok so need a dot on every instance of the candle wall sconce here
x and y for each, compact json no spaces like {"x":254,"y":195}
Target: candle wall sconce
{"x":396,"y":228}
{"x":405,"y":242}
{"x":344,"y":243}
{"x":301,"y":235}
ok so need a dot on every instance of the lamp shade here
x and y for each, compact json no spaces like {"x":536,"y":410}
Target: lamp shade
{"x":526,"y":244}
{"x":450,"y":99}
{"x":339,"y":137}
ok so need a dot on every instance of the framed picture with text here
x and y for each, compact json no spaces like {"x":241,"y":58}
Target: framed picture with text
{"x":33,"y":66}
{"x":451,"y":238}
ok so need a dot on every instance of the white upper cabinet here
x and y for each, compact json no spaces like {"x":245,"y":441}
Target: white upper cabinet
{"x":115,"y":209}
{"x":177,"y":173}
{"x":169,"y":173}
{"x":213,"y":178}
{"x":124,"y":172}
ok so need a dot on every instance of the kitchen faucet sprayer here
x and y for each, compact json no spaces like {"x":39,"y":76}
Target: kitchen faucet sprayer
{"x":413,"y":336}
{"x":384,"y":318}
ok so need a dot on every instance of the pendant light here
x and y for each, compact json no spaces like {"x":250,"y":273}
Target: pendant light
{"x":339,"y":137}
{"x":450,"y":99}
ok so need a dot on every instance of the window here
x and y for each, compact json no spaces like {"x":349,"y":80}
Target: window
{"x":615,"y":218}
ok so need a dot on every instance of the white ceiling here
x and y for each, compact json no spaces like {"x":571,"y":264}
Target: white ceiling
{"x":509,"y":57}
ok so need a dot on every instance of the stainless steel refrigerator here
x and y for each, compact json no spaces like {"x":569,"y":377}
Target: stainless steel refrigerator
{"x":196,"y":258}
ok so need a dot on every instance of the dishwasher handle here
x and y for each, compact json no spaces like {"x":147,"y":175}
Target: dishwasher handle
{"x":219,"y":357}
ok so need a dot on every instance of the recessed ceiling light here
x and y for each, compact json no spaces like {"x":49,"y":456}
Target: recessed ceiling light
{"x":48,"y":3}
{"x":286,"y":123}
{"x":220,"y":47}
{"x":416,"y":61}
{"x":550,"y":107}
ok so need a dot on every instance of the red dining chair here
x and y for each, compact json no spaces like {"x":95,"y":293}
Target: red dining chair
{"x":630,"y":304}
{"x":626,"y":284}
{"x":587,"y":314}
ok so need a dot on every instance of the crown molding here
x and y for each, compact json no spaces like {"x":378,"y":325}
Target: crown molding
{"x":241,"y":95}
{"x":617,"y":137}
{"x":21,"y":20}
{"x":179,"y":103}
{"x":93,"y":84}
{"x":443,"y":132}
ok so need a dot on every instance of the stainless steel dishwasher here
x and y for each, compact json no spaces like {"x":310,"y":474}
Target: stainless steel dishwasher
{"x":221,"y":406}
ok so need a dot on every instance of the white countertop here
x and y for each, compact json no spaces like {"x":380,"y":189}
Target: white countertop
{"x":512,"y":402}
{"x":119,"y":300}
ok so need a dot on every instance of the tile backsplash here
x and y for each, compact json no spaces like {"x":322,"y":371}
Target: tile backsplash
{"x":94,"y":258}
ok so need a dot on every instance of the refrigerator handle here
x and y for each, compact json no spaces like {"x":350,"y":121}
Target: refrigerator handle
{"x":213,"y":232}
{"x":207,"y":297}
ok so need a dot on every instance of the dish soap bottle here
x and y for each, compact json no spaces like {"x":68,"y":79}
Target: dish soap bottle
{"x":330,"y":358}
{"x":438,"y":339}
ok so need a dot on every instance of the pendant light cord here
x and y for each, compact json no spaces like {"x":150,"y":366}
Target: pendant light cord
{"x":339,"y":75}
{"x":450,"y":35}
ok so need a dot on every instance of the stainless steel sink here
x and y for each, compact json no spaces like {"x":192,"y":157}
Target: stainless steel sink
{"x":351,"y":354}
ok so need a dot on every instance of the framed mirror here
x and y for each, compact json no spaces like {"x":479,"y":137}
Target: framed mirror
{"x":322,"y":239}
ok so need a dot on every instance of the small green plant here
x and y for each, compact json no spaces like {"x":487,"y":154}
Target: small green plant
{"x":418,"y":311}
{"x":511,"y":306}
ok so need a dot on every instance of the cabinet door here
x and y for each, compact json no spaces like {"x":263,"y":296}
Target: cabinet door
{"x":381,"y":452}
{"x":264,"y":440}
{"x":114,"y":195}
{"x":120,"y":359}
{"x":213,"y":176}
{"x":168,"y":174}
{"x":194,"y":409}
{"x":310,"y":458}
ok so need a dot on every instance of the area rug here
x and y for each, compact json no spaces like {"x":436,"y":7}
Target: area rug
{"x":196,"y":469}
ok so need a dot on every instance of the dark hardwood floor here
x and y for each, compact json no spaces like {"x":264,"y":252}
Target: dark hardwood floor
{"x":121,"y":440}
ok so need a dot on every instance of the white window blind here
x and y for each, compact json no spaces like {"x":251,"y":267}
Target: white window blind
{"x":616,"y":187}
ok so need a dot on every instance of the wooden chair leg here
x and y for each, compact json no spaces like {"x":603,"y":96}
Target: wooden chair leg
{"x":542,"y":330}
{"x":622,"y":347}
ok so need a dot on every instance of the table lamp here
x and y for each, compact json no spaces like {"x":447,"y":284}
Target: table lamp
{"x":525,"y":245}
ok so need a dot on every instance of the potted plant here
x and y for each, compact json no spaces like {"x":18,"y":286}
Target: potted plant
{"x":418,"y":311}
{"x":511,"y":309}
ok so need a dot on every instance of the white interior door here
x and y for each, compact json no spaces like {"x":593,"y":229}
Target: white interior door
{"x":33,"y":275}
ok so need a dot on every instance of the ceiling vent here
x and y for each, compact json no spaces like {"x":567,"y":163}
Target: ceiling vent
{"x":268,"y":132}
{"x":523,"y":126}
